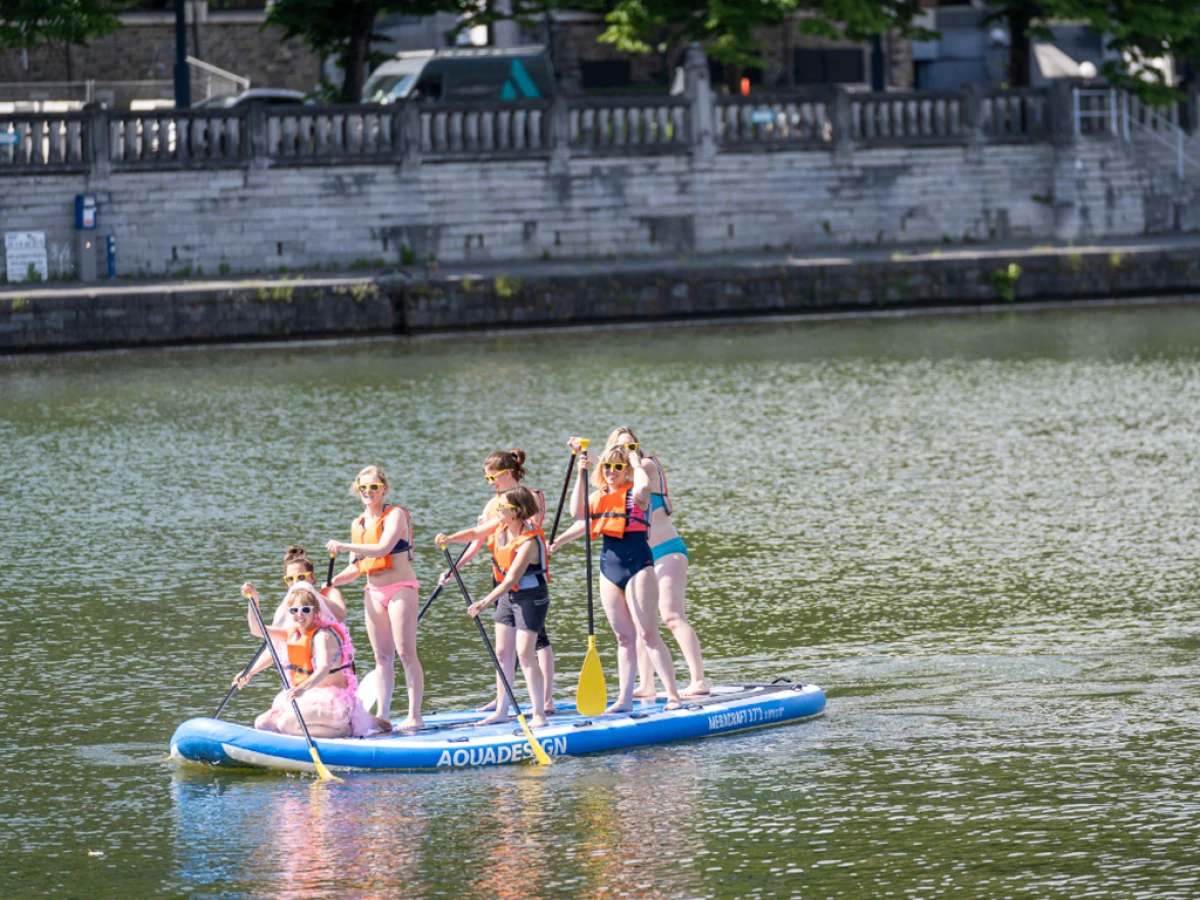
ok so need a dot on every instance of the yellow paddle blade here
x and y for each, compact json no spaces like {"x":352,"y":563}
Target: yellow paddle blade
{"x":542,"y":757}
{"x":591,"y":697}
{"x":322,"y":772}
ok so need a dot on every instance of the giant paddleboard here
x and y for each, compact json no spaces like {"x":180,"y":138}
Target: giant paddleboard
{"x":452,"y":740}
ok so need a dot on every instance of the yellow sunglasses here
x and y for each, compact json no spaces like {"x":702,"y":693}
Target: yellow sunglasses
{"x":615,"y":467}
{"x":372,"y":487}
{"x":506,"y":506}
{"x":630,"y":447}
{"x":491,"y":479}
{"x":302,"y":576}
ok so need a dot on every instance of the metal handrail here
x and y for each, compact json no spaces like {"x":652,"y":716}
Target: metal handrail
{"x":1156,"y":133}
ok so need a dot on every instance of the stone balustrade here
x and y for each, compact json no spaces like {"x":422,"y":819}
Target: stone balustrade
{"x":307,"y":135}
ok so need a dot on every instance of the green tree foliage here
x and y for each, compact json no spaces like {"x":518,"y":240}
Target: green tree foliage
{"x":345,"y":30}
{"x":1138,"y":31}
{"x":29,"y":24}
{"x":726,"y":27}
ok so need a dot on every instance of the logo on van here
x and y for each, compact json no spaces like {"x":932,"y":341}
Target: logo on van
{"x":518,"y":80}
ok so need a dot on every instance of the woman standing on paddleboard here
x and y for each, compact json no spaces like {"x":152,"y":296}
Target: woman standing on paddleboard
{"x":381,"y":549}
{"x":671,"y":566}
{"x":520,"y":568}
{"x":628,"y":586}
{"x":505,"y":470}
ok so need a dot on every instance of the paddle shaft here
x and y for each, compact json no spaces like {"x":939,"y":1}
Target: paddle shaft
{"x":587,"y":545}
{"x":246,"y":671}
{"x":437,"y":590}
{"x":483,"y":634}
{"x":562,"y":497}
{"x":270,"y":645}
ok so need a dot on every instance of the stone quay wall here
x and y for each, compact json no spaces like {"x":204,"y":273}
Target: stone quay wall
{"x":256,"y":191}
{"x":54,"y":319}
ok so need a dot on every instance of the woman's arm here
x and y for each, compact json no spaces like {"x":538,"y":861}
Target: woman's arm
{"x":264,"y":661}
{"x":394,"y":528}
{"x":575,"y":531}
{"x":336,"y":603}
{"x":347,"y":575}
{"x":515,"y":571}
{"x":578,"y":493}
{"x":469,"y":535}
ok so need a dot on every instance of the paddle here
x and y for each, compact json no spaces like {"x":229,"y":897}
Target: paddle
{"x":438,"y":589}
{"x":322,"y":772}
{"x":591,"y":696}
{"x":538,"y":752}
{"x":562,"y":498}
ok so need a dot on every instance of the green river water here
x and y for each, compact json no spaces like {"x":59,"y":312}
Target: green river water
{"x":978,"y":534}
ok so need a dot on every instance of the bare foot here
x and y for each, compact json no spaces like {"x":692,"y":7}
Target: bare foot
{"x":696,"y":689}
{"x":645,"y":692}
{"x":537,"y":721}
{"x":383,"y":724}
{"x":493,"y":719}
{"x":673,"y":703}
{"x":487,"y":707}
{"x":412,"y":723}
{"x":619,"y":707}
{"x":550,"y":710}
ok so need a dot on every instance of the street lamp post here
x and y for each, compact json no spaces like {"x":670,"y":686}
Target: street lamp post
{"x":183,"y":92}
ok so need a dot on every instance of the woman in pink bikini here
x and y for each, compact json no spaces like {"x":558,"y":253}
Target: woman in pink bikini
{"x":381,"y":549}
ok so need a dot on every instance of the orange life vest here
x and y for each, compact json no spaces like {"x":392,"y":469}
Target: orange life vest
{"x":610,"y":512}
{"x":503,"y":556}
{"x":300,"y":657}
{"x":360,"y":534}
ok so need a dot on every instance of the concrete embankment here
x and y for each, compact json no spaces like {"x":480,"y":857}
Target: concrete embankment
{"x":48,"y":318}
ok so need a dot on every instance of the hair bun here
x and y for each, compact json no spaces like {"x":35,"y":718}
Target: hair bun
{"x":295,"y":551}
{"x":519,"y":455}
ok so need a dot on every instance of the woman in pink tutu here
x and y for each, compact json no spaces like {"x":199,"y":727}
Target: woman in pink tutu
{"x":319,"y":658}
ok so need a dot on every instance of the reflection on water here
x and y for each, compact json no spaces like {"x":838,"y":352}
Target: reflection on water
{"x":978,"y":534}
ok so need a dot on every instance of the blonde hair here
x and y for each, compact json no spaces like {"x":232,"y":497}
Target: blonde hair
{"x":617,"y":432}
{"x":611,"y":454}
{"x":373,"y":472}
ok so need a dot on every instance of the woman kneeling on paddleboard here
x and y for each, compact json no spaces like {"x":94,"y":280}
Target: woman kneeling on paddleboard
{"x":520,"y":567}
{"x":628,"y":586}
{"x":381,"y":549}
{"x":504,"y":470}
{"x":670,"y":565}
{"x":320,"y":662}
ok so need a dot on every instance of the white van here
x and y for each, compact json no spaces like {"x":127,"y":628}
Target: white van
{"x":458,"y":74}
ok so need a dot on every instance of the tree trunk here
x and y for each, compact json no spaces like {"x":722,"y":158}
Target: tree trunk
{"x":354,"y":59}
{"x":1020,"y":18}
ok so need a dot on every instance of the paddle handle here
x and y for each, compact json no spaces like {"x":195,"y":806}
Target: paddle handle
{"x":329,"y":576}
{"x":234,"y":689}
{"x":437,"y":590}
{"x":562,"y":498}
{"x":587,"y":542}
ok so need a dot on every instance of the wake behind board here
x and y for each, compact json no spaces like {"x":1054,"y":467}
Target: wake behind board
{"x":452,"y":740}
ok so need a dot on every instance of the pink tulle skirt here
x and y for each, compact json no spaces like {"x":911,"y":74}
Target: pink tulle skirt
{"x":334,"y":707}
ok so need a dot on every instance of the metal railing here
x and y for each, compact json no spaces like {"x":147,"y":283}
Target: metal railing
{"x":1113,"y":112}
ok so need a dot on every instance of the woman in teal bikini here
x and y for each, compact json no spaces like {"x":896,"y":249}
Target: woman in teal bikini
{"x":670,"y":565}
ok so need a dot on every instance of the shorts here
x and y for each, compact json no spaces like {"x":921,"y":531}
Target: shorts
{"x":622,"y":558}
{"x":524,"y":610}
{"x":666,"y":548}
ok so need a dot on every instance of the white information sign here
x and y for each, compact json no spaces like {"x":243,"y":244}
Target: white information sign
{"x":22,"y":249}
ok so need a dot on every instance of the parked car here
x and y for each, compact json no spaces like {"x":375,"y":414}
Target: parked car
{"x":463,"y":74}
{"x":266,"y":96}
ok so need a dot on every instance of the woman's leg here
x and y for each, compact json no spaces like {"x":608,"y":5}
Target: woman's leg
{"x":506,"y":652}
{"x":383,"y":645}
{"x":546,"y":663}
{"x":527,"y":653}
{"x":266,"y":722}
{"x":672,"y":585}
{"x":403,"y":612}
{"x":642,"y":593}
{"x":612,"y":598}
{"x":645,"y":689}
